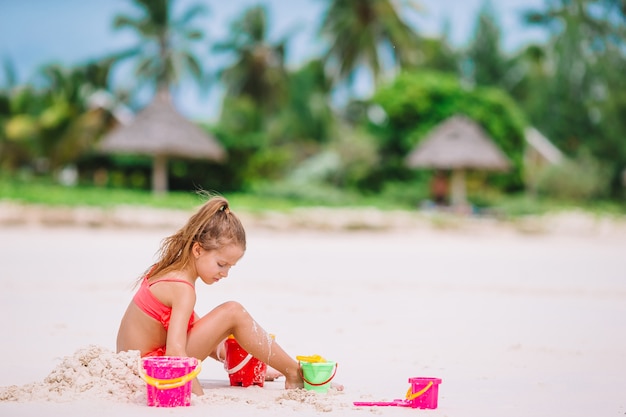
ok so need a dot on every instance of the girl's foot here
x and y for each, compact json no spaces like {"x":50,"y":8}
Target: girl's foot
{"x":294,"y":380}
{"x":272,"y":374}
{"x":336,"y":386}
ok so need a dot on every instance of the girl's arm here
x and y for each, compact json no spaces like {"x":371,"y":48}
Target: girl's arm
{"x":183,"y":302}
{"x":183,"y":299}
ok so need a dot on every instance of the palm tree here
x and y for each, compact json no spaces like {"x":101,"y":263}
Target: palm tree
{"x":258,"y":69}
{"x":67,"y":125}
{"x":578,"y":39}
{"x":18,"y":123}
{"x":489,"y":65}
{"x":53,"y":125}
{"x":362,"y":31}
{"x":164,"y":50}
{"x":583,"y":105}
{"x":437,"y":53}
{"x":308,"y":115}
{"x":529,"y":80}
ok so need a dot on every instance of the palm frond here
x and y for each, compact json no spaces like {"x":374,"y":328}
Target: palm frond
{"x":191,"y":13}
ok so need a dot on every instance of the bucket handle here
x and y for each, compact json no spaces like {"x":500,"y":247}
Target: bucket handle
{"x":319,"y":384}
{"x":239,"y":366}
{"x":169,"y":383}
{"x":410,"y":396}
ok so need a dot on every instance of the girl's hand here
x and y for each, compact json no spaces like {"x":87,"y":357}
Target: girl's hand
{"x":196,"y":388}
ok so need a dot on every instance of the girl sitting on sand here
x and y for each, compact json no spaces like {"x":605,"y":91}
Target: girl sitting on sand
{"x":161,"y":319}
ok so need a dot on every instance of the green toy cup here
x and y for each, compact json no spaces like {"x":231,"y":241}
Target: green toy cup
{"x":317,"y":375}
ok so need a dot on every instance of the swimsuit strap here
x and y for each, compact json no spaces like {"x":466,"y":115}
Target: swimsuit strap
{"x":150,"y":284}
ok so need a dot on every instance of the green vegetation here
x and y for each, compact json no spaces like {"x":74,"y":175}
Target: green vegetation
{"x":47,"y":192}
{"x":265,"y":197}
{"x":289,"y":144}
{"x":278,"y":197}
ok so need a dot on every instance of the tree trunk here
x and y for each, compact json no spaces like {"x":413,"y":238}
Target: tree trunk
{"x":457,"y":194}
{"x":159,"y":175}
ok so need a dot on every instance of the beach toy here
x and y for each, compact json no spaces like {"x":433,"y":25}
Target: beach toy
{"x":316,"y":372}
{"x":423,"y":393}
{"x":168,"y":379}
{"x":312,"y":358}
{"x":243,"y":369}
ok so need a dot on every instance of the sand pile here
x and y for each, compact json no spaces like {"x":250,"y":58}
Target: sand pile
{"x":92,"y":372}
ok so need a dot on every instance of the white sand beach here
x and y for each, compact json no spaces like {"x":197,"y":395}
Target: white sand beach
{"x":514,"y":324}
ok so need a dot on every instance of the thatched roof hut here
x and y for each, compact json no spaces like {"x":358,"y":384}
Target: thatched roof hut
{"x":458,"y":144}
{"x":540,"y":148}
{"x":539,"y":154}
{"x":161,"y":132}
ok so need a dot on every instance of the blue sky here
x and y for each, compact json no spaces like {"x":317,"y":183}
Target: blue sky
{"x":38,"y":32}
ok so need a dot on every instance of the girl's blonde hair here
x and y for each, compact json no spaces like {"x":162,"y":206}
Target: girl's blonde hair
{"x":213,"y":226}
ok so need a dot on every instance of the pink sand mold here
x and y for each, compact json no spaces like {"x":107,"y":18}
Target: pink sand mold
{"x":423,"y":393}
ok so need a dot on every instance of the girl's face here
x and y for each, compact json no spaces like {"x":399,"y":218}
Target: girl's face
{"x":212,"y":266}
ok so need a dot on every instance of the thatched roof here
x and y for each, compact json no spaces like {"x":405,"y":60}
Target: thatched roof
{"x":160,"y":130}
{"x":458,"y":143}
{"x":540,"y":144}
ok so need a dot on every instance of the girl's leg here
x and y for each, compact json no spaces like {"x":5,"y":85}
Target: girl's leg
{"x":232,"y":318}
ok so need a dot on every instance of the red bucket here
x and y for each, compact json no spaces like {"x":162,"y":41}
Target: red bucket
{"x":243,"y":369}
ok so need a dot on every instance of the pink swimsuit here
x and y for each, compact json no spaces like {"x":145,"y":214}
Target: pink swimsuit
{"x":149,"y":304}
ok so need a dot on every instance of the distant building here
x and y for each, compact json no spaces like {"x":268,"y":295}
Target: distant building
{"x":540,"y":154}
{"x":458,"y":144}
{"x":161,"y":132}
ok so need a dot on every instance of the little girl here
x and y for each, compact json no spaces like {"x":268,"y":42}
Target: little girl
{"x":161,"y":319}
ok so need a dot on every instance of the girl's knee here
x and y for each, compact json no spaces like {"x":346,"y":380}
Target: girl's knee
{"x":233,"y":308}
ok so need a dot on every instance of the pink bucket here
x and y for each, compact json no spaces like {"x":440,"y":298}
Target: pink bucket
{"x":424,"y":392}
{"x":168,"y":380}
